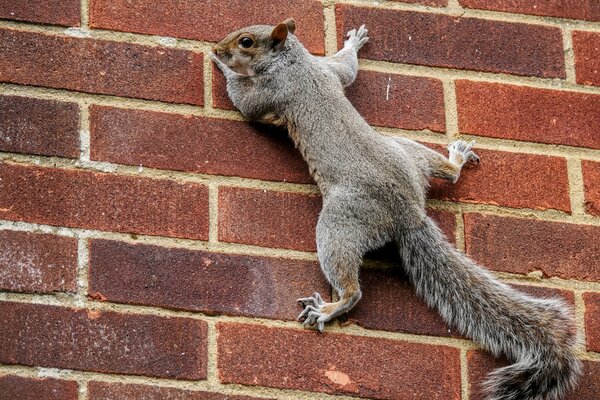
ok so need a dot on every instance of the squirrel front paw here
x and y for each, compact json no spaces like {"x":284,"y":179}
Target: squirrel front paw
{"x":357,"y":39}
{"x":461,"y":153}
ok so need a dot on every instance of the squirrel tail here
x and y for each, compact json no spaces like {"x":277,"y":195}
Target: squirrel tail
{"x":537,"y":335}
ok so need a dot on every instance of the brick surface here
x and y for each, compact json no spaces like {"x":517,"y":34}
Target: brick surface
{"x":31,"y":262}
{"x":194,"y":144}
{"x":334,"y":363}
{"x":100,"y":66}
{"x":208,"y":20}
{"x":528,"y":114}
{"x":201,"y":281}
{"x":452,"y":42}
{"x":19,"y":388}
{"x":267,"y":218}
{"x":522,"y":246}
{"x":220,"y":98}
{"x":510,"y":179}
{"x":34,"y":126}
{"x":576,"y":9}
{"x":399,"y":101}
{"x":591,"y":182}
{"x":592,"y":323}
{"x":100,"y":341}
{"x":56,"y":12}
{"x":586,"y":46}
{"x":102,"y":201}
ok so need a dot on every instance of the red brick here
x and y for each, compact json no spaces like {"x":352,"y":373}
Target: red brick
{"x":575,"y":9}
{"x":100,"y":66}
{"x":31,"y":262}
{"x":587,"y":56}
{"x":332,"y":363}
{"x":18,"y":388}
{"x":102,"y":341}
{"x":522,"y":246}
{"x":591,"y":182}
{"x":453,"y":42}
{"x":267,"y":218}
{"x":193,"y":280}
{"x":193,"y":20}
{"x":592,"y":323}
{"x":35,"y":126}
{"x":56,"y":12}
{"x":219,"y":91}
{"x":107,"y":202}
{"x":399,"y":101}
{"x":508,"y":179}
{"x":121,"y":391}
{"x":205,"y":145}
{"x":528,"y":114}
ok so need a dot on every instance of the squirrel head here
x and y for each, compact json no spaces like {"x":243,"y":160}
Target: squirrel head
{"x":252,"y":50}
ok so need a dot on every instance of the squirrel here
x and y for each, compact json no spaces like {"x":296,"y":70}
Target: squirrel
{"x":374,"y":190}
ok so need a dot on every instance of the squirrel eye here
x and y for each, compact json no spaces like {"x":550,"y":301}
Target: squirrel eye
{"x":246,"y":42}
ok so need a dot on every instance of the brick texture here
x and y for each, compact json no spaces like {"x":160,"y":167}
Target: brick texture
{"x":358,"y":366}
{"x":102,"y":341}
{"x":99,"y":66}
{"x":522,"y":246}
{"x":194,"y":144}
{"x":592,"y":323}
{"x":56,"y":12}
{"x":41,"y":263}
{"x":462,"y":43}
{"x":586,"y":46}
{"x":528,"y":114}
{"x":34,"y":126}
{"x":192,"y":20}
{"x":102,"y":201}
{"x":16,"y":387}
{"x":591,"y":181}
{"x":575,"y":9}
{"x":267,"y":218}
{"x":201,"y":281}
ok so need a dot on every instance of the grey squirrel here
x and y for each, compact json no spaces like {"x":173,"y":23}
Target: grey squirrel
{"x":374,"y":190}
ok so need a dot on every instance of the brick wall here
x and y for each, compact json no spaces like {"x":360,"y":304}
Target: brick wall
{"x":152,"y":243}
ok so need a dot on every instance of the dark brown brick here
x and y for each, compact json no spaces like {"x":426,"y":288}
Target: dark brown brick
{"x":522,"y":246}
{"x":31,"y":262}
{"x":193,"y":20}
{"x":512,"y":180}
{"x":18,"y":388}
{"x":592,"y":323}
{"x":102,"y":341}
{"x":333,"y":363}
{"x":587,"y":56}
{"x":194,"y":144}
{"x":575,"y":9}
{"x":452,"y":42}
{"x":55,"y":12}
{"x":528,"y":114}
{"x":267,"y":218}
{"x":35,"y":126}
{"x":399,"y":101}
{"x":100,"y":66}
{"x":591,"y":182}
{"x":194,"y":280}
{"x":107,"y":202}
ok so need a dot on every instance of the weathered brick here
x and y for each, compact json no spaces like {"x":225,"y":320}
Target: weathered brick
{"x":102,"y":341}
{"x":575,"y":9}
{"x":522,"y":246}
{"x":591,"y":182}
{"x":31,"y":262}
{"x":35,"y":126}
{"x":56,"y":12}
{"x":194,"y":144}
{"x":528,"y":114}
{"x":586,"y":46}
{"x":592,"y":323}
{"x":121,"y":391}
{"x":190,"y":19}
{"x":333,"y":363}
{"x":399,"y":101}
{"x":453,"y":42}
{"x":100,"y":66}
{"x":103,"y":201}
{"x":18,"y":388}
{"x":193,"y":280}
{"x":268,"y":218}
{"x":510,"y":179}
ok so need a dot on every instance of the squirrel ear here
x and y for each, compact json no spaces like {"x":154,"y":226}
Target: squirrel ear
{"x":279,"y":35}
{"x":291,"y":24}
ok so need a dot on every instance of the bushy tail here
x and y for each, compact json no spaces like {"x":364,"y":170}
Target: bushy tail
{"x":537,"y":335}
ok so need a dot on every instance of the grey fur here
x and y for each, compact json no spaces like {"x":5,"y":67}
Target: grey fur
{"x":374,"y":190}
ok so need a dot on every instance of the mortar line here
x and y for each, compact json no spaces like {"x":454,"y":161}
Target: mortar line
{"x":212,"y":373}
{"x":84,"y":133}
{"x":580,"y":320}
{"x":464,"y":374}
{"x":82,"y":390}
{"x":213,"y":211}
{"x":207,"y":74}
{"x":459,"y":233}
{"x":451,"y":109}
{"x":567,"y":35}
{"x":576,"y":186}
{"x":82,"y":271}
{"x":85,"y":14}
{"x":331,"y":46}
